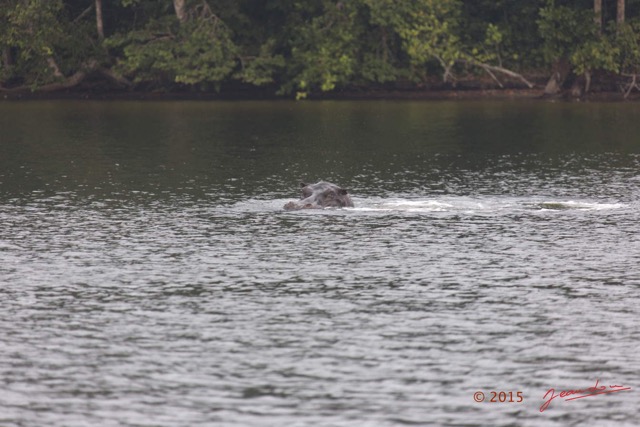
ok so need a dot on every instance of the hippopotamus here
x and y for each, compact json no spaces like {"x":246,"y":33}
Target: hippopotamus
{"x":321,"y":195}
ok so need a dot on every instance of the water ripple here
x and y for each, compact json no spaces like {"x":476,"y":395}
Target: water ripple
{"x":150,"y":277}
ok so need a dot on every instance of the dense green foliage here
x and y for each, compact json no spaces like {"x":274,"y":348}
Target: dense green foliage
{"x":298,"y":47}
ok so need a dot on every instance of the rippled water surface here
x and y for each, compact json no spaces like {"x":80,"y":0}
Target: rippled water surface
{"x":149,"y":276}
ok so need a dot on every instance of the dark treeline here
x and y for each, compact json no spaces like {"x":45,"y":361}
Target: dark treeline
{"x":299,"y":47}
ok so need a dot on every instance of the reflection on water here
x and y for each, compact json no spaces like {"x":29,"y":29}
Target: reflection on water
{"x":149,"y":276}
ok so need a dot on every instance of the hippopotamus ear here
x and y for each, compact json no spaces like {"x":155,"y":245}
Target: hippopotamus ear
{"x":302,"y":184}
{"x":342,"y":192}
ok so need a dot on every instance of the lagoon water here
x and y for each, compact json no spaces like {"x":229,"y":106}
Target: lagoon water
{"x":149,"y":276}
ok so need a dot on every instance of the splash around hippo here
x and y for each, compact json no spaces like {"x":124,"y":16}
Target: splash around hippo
{"x":319,"y":196}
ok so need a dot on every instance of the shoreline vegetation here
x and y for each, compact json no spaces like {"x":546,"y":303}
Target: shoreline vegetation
{"x":346,"y":95}
{"x":470,"y":90}
{"x":320,"y":49}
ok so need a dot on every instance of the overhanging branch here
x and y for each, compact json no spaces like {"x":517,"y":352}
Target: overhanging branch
{"x":490,"y":69}
{"x":89,"y":67}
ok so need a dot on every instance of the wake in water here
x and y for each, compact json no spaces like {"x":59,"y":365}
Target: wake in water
{"x":444,"y":204}
{"x":558,"y":205}
{"x":483,"y":205}
{"x":479,"y":205}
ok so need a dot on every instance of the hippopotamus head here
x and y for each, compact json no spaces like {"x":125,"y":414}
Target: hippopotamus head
{"x":321,"y":195}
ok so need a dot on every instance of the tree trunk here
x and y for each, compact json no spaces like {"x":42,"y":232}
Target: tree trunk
{"x":181,"y":10}
{"x":577,"y":89}
{"x":560,"y":72}
{"x":54,"y":67}
{"x":597,"y":11}
{"x":7,"y":57}
{"x":99,"y":21}
{"x":587,"y":81}
{"x":620,"y":14}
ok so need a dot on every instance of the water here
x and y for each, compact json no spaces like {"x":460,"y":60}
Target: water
{"x":149,"y":276}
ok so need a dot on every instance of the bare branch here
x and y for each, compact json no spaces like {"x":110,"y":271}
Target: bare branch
{"x":83,"y":14}
{"x":447,"y":69}
{"x":114,"y":77}
{"x":492,"y":68}
{"x":627,"y":88}
{"x":74,"y":80}
{"x":54,"y":66}
{"x":487,"y":68}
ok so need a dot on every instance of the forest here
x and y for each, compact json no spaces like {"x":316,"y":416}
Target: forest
{"x":301,"y":48}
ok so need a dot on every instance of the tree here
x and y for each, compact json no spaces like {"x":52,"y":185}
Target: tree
{"x":433,"y":30}
{"x":324,"y":53}
{"x":29,"y":40}
{"x":181,"y":10}
{"x":428,"y":30}
{"x":585,"y":49}
{"x":620,"y":12}
{"x":48,"y":49}
{"x":191,"y":47}
{"x":569,"y":35}
{"x":99,"y":21}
